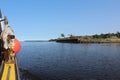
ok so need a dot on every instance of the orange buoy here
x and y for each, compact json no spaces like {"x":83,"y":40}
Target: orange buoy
{"x":17,"y":46}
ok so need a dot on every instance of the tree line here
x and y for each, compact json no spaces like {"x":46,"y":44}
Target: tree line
{"x":108,"y":35}
{"x":98,"y":36}
{"x":89,"y":38}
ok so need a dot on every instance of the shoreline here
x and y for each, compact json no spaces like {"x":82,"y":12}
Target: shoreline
{"x":88,"y":40}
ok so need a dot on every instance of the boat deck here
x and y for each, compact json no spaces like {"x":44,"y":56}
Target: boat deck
{"x":9,"y":72}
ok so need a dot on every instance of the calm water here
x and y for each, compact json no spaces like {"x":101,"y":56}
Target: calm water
{"x":63,"y":61}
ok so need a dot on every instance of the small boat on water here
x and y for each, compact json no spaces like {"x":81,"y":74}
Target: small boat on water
{"x":8,"y":65}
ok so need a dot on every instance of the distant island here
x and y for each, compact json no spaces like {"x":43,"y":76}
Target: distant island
{"x":101,"y":38}
{"x":36,"y":41}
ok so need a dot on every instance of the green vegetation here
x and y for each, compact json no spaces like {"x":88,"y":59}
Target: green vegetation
{"x":101,"y":38}
{"x":62,"y":35}
{"x":108,"y":35}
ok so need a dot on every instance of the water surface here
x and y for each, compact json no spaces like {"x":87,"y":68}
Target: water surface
{"x":64,"y":61}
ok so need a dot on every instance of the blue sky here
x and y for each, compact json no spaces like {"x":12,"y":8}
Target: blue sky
{"x":46,"y":19}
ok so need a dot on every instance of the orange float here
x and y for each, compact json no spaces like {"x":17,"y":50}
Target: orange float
{"x":17,"y":46}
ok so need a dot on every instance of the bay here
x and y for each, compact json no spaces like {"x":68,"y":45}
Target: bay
{"x":67,"y":61}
